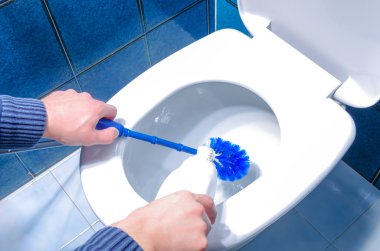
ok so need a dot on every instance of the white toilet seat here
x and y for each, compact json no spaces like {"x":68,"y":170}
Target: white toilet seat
{"x":306,"y":115}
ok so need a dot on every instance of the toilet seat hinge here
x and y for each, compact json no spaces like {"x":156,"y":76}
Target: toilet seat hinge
{"x":357,"y":94}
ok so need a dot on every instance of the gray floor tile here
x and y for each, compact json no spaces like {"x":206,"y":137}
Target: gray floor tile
{"x":364,"y":234}
{"x":291,"y":232}
{"x":98,"y":225}
{"x":39,"y":217}
{"x":68,"y":176}
{"x":338,"y":201}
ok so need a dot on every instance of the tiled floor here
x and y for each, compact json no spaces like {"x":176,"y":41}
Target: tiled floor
{"x":51,"y":213}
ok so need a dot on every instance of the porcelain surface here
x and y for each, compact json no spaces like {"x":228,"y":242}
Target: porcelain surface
{"x":259,"y":93}
{"x":318,"y":29}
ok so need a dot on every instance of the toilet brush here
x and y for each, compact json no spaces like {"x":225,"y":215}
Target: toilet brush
{"x":231,"y":162}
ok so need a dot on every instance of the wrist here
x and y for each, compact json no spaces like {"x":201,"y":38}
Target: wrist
{"x":135,"y":227}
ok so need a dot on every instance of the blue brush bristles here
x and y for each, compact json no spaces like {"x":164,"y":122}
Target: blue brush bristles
{"x":232,"y":162}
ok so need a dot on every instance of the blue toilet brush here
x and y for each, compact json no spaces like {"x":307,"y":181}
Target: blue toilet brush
{"x":231,"y":161}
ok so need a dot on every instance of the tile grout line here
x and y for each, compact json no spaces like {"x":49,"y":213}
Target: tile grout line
{"x":376,"y":177}
{"x":316,"y":229}
{"x":122,"y":47}
{"x":38,"y":146}
{"x":76,"y":237}
{"x":354,"y":221}
{"x":93,"y":224}
{"x":99,"y":61}
{"x":143,"y":22}
{"x":75,"y":205}
{"x":377,"y":107}
{"x":25,"y":166}
{"x":81,"y":233}
{"x":5,"y":3}
{"x":60,"y":40}
{"x":232,"y":3}
{"x":331,"y":244}
{"x":175,"y":15}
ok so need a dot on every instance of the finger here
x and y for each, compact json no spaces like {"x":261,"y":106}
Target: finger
{"x":208,"y":222}
{"x":108,"y":111}
{"x":208,"y":204}
{"x":106,"y":136}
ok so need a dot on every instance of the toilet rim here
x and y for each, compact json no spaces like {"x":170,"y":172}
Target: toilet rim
{"x":109,"y":178}
{"x":112,"y":208}
{"x":104,"y":177}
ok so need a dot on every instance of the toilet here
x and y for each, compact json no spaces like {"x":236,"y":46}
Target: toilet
{"x":280,"y":95}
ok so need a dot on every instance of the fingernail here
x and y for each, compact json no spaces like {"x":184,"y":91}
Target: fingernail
{"x":115,"y":133}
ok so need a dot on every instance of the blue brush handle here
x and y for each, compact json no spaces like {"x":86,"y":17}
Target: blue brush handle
{"x":105,"y":123}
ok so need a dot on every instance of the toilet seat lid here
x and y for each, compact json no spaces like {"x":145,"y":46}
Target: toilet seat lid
{"x":343,"y":37}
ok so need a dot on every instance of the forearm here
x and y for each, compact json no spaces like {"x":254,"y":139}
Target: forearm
{"x":22,"y":122}
{"x":110,"y":238}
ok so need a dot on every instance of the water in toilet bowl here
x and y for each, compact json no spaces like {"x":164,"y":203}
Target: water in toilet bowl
{"x":194,"y":114}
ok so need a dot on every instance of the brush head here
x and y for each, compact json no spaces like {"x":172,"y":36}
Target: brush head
{"x":231,"y":162}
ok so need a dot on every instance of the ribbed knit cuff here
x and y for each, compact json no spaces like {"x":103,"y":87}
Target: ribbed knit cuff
{"x":110,"y":238}
{"x":22,"y":122}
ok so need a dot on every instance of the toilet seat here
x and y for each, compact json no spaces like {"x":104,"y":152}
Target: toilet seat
{"x":307,"y":117}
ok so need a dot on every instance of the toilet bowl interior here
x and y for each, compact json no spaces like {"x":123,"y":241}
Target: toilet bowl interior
{"x":192,"y":115}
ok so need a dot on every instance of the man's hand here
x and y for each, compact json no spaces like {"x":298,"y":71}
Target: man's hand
{"x":72,"y":118}
{"x":180,"y":221}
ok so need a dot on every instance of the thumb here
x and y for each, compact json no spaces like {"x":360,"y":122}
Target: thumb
{"x":106,"y":136}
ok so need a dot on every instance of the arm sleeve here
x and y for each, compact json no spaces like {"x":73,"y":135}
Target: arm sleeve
{"x":22,"y":122}
{"x":110,"y":238}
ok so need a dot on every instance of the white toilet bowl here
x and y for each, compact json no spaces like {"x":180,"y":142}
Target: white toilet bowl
{"x":260,"y":93}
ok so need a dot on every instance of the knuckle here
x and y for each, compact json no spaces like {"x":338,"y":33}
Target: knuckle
{"x":71,"y":91}
{"x":198,"y":209}
{"x":184,"y":193}
{"x":207,"y":200}
{"x":202,"y":243}
{"x":96,"y":105}
{"x":85,"y":95}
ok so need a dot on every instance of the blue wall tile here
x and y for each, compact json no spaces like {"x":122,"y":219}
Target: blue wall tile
{"x":93,"y":29}
{"x":31,"y":60}
{"x":178,"y":32}
{"x":109,"y":76}
{"x":228,"y":17}
{"x":211,"y":12}
{"x":156,"y":11}
{"x":105,"y":43}
{"x":12,"y":174}
{"x":39,"y":160}
{"x":377,"y":182}
{"x":364,"y":154}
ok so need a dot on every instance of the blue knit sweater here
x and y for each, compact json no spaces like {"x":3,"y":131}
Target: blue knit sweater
{"x":22,"y":124}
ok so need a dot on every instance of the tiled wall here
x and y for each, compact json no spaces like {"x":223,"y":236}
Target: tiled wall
{"x":364,"y":154}
{"x":95,"y":46}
